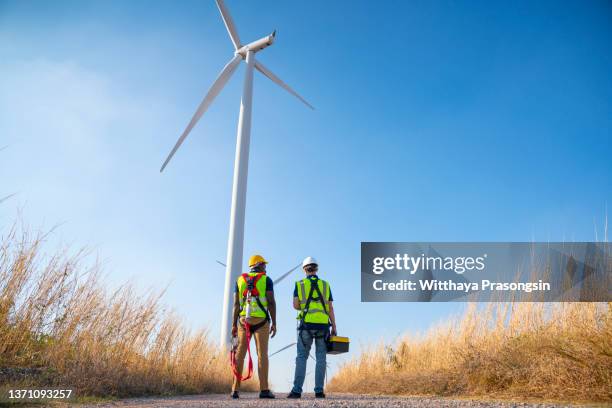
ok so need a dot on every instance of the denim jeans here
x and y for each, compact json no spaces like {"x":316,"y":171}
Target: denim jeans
{"x":304,"y":342}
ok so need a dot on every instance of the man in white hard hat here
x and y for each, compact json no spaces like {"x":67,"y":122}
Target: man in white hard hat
{"x":313,"y":298}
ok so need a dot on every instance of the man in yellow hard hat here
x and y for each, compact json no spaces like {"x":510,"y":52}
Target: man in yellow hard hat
{"x":254,"y":305}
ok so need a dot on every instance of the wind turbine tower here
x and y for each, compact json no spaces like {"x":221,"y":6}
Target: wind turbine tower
{"x":235,"y":243}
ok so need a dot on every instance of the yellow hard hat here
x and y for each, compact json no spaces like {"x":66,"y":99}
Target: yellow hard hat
{"x":256,"y":259}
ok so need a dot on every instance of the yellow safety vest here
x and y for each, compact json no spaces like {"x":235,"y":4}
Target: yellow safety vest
{"x":318,"y":309}
{"x":261,"y":285}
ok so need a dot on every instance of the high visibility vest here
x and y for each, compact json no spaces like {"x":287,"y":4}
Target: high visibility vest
{"x":260,"y":293}
{"x":316,"y":312}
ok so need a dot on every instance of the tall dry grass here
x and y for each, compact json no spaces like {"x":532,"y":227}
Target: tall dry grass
{"x":517,"y":350}
{"x":59,"y":322}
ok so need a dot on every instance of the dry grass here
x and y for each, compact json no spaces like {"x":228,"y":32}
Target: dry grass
{"x":58,"y":321}
{"x":516,"y":350}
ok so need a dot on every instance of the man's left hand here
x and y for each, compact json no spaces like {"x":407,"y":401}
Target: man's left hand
{"x":273,"y":330}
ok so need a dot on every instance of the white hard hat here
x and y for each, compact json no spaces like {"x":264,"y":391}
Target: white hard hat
{"x":309,"y":260}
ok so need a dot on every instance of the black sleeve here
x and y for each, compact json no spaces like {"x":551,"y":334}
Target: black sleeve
{"x":331,"y":298}
{"x":236,"y":287}
{"x":269,"y":284}
{"x":295,"y":293}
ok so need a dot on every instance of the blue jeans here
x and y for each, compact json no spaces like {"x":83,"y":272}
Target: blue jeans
{"x":304,"y":342}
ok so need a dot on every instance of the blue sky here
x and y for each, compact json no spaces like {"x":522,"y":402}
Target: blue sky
{"x":434,"y":121}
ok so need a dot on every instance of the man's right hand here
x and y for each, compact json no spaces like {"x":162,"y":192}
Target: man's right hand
{"x":234,"y":330}
{"x":273,"y":329}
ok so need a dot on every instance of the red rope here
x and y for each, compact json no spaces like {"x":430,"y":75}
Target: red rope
{"x":239,"y":377}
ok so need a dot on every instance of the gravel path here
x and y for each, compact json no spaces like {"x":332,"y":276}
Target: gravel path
{"x":308,"y":400}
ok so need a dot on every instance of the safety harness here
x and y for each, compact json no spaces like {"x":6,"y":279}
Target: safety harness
{"x":314,"y":286}
{"x":250,"y":292}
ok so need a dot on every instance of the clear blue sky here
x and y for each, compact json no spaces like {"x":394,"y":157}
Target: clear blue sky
{"x":435,"y":121}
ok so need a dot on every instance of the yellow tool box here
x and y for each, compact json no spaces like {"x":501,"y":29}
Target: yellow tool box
{"x":337,"y":345}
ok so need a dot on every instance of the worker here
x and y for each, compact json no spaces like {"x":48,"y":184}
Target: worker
{"x":262,"y":310}
{"x":313,"y":298}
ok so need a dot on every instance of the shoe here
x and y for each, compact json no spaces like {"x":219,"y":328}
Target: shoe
{"x":266,"y":394}
{"x":319,"y":395}
{"x":294,"y":395}
{"x":235,"y":395}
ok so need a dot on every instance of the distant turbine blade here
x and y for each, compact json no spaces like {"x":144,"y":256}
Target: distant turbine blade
{"x":283,"y":276}
{"x":284,"y":348}
{"x":222,"y":264}
{"x":279,"y":82}
{"x":229,"y":24}
{"x":214,"y":90}
{"x":3,"y":199}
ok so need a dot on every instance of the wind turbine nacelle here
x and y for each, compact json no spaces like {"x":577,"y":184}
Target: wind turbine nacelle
{"x":257,"y":45}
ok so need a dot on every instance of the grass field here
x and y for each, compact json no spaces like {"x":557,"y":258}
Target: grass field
{"x":558,"y":351}
{"x":60,"y":326}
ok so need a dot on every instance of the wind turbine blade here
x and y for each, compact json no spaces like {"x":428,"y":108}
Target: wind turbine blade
{"x":229,"y":24}
{"x":280,"y":83}
{"x":283,"y":276}
{"x":214,"y":90}
{"x":221,"y":263}
{"x":3,"y":199}
{"x":284,"y":348}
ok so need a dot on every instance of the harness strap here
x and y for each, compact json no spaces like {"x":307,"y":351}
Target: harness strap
{"x":251,"y":283}
{"x":308,"y":300}
{"x":261,"y":306}
{"x":254,"y":292}
{"x":249,"y":329}
{"x":255,"y":327}
{"x":323,"y":301}
{"x":314,"y":286}
{"x":239,"y":377}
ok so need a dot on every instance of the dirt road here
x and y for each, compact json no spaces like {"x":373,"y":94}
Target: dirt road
{"x":308,"y":400}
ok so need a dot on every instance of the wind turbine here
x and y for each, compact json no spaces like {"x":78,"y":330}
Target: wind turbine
{"x":235,"y":243}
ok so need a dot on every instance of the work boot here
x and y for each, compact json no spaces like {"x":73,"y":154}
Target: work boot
{"x":266,"y":394}
{"x":294,"y":395}
{"x":319,"y":395}
{"x":235,"y":395}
